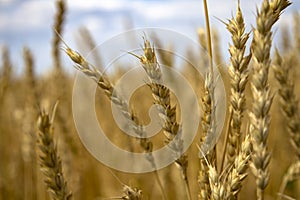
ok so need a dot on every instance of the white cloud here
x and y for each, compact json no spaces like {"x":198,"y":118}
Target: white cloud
{"x":7,"y":2}
{"x":96,"y":4}
{"x":93,"y":23}
{"x":27,"y":16}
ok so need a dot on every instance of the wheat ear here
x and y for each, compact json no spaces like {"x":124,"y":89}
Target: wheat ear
{"x":208,"y":128}
{"x":296,"y":30}
{"x":292,"y":174}
{"x":28,"y":126}
{"x":90,"y":44}
{"x":238,"y":172}
{"x":238,"y":71}
{"x":218,"y":190}
{"x":6,"y":73}
{"x":208,"y":120}
{"x":58,"y":25}
{"x":259,"y":117}
{"x":103,"y":83}
{"x":289,"y":106}
{"x":289,"y":102}
{"x":82,"y":65}
{"x":50,"y":161}
{"x":161,"y":96}
{"x":207,"y":124}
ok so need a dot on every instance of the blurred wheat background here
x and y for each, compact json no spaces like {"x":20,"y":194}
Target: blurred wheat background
{"x":261,"y":159}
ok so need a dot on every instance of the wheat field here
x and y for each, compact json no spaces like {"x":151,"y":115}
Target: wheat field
{"x":256,"y":157}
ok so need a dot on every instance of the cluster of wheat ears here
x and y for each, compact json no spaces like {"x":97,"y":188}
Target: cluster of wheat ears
{"x":257,"y":155}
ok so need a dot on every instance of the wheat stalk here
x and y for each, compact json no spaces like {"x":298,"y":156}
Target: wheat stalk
{"x":82,"y":65}
{"x":203,"y":43}
{"x":208,"y":122}
{"x":259,"y":117}
{"x":103,"y":83}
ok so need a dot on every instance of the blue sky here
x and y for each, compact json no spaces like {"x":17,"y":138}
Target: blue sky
{"x":29,"y":22}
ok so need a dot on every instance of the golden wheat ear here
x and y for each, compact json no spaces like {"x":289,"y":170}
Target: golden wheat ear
{"x":58,"y":27}
{"x":266,"y":17}
{"x":161,"y":96}
{"x":50,"y":161}
{"x":238,"y":72}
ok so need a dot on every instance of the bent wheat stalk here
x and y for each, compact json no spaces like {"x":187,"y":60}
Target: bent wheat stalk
{"x":89,"y":70}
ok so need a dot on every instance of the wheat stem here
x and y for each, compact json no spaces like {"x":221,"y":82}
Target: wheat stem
{"x":225,"y":142}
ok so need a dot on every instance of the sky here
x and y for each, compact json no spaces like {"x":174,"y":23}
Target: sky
{"x":29,"y":22}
